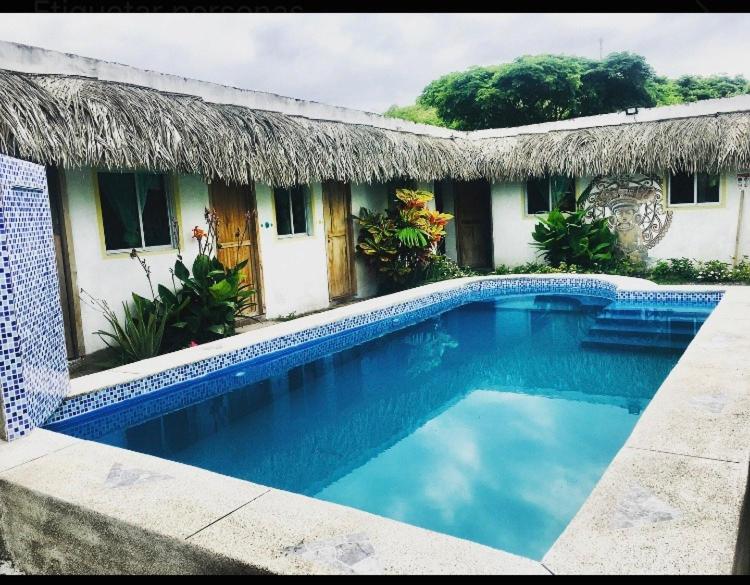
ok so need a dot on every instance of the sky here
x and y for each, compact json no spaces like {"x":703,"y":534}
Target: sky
{"x":371,"y":61}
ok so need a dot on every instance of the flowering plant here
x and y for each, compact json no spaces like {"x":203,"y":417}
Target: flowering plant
{"x":400,"y":242}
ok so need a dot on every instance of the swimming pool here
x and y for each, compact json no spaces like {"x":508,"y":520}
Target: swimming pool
{"x":490,"y":421}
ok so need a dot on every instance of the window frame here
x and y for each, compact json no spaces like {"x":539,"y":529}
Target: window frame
{"x":695,"y":201}
{"x":171,"y":212}
{"x":307,"y":194}
{"x":548,"y":178}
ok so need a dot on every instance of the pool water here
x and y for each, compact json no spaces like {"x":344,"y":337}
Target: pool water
{"x":492,"y":421}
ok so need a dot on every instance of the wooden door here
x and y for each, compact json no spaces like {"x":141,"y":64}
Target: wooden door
{"x":336,"y":211}
{"x":237,"y":233}
{"x":473,"y":223}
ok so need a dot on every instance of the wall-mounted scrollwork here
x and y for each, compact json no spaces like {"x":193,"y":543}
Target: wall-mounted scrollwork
{"x":633,"y":206}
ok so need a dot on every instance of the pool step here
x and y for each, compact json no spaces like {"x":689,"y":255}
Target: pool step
{"x":647,"y":331}
{"x":655,"y":313}
{"x":621,"y":342}
{"x":674,"y":323}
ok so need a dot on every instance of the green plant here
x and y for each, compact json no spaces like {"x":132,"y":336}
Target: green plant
{"x":714,"y":271}
{"x":208,"y":303}
{"x":569,"y":238}
{"x":741,"y":272}
{"x":138,"y":335}
{"x":675,"y":270}
{"x":669,"y":271}
{"x":626,"y":267}
{"x":440,"y":267}
{"x":288,"y":316}
{"x":529,"y":268}
{"x":401,"y":242}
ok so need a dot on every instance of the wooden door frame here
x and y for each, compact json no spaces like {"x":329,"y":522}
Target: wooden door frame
{"x":349,"y":240}
{"x":255,"y":256}
{"x":457,"y":214}
{"x":58,"y":196}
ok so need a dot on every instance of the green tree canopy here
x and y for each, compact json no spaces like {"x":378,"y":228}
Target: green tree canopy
{"x":542,"y":88}
{"x":692,"y":88}
{"x":415,"y":113}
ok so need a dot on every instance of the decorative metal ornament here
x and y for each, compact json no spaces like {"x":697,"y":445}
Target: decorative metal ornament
{"x":633,"y":206}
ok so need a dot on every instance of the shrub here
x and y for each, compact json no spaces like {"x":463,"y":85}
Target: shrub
{"x":207,"y":304}
{"x":669,"y":271}
{"x":741,"y":272}
{"x":568,"y":238}
{"x":714,"y":271}
{"x":625,"y":267}
{"x":532,"y":268}
{"x":675,"y":270}
{"x":441,"y":267}
{"x":400,"y":242}
{"x":138,"y":335}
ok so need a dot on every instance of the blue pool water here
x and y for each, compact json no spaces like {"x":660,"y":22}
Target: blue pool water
{"x":491,"y":421}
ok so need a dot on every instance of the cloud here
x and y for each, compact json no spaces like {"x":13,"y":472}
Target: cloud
{"x":370,"y":61}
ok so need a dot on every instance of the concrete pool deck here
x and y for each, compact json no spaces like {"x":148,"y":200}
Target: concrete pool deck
{"x":670,"y":501}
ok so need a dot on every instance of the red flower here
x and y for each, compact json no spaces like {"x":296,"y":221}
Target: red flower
{"x":198,"y":233}
{"x":193,"y":343}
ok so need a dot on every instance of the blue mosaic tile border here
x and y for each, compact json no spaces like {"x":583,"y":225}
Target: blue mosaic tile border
{"x":389,"y":319}
{"x":34,"y":373}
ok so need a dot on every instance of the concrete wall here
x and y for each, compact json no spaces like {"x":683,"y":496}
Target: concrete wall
{"x":113,"y":277}
{"x":702,"y":232}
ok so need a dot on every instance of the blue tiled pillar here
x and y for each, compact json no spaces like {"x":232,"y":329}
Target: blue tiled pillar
{"x":33,"y":363}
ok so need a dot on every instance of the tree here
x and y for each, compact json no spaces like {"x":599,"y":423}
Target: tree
{"x":533,"y":89}
{"x":664,"y":91}
{"x":619,"y":81}
{"x":692,"y":88}
{"x":542,"y":88}
{"x":415,"y":113}
{"x":455,"y":97}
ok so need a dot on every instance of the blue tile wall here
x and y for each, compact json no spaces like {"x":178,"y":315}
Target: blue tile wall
{"x":344,"y":333}
{"x":34,"y":372}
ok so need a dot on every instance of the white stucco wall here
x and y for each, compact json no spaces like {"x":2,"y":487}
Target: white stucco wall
{"x":701,"y":232}
{"x":295,"y":269}
{"x":451,"y":244}
{"x":708,"y":232}
{"x":113,"y":277}
{"x":372,"y":196}
{"x":511,"y":225}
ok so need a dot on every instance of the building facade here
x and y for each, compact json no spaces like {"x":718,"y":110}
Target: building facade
{"x":285,"y":177}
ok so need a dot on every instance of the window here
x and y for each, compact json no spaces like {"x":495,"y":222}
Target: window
{"x":136,"y":211}
{"x":292,"y":210}
{"x":692,"y":188}
{"x":548,"y":193}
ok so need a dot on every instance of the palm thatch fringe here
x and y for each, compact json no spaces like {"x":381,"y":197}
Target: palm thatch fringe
{"x":702,"y":143}
{"x":77,"y":121}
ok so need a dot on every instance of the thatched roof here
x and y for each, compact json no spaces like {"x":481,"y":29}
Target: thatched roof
{"x":81,"y":121}
{"x":78,"y":121}
{"x":707,"y":143}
